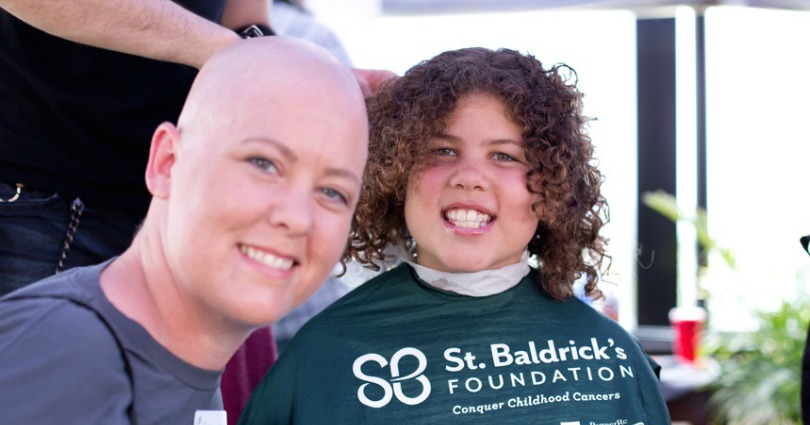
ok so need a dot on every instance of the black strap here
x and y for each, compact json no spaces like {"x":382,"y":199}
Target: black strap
{"x":254,"y":30}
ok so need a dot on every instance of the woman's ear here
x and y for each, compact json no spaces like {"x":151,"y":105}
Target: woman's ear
{"x":162,"y":156}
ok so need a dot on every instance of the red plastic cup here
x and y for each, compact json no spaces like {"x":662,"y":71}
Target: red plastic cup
{"x":687,"y":324}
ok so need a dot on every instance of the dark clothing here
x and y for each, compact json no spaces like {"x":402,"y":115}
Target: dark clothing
{"x":43,"y":232}
{"x":77,"y":120}
{"x":396,"y":350}
{"x":75,"y":127}
{"x":245,"y":370}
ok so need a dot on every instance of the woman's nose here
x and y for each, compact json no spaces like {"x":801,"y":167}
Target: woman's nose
{"x":293,"y":211}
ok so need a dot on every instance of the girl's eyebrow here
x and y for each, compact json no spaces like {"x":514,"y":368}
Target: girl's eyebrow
{"x":448,"y":138}
{"x":505,"y":141}
{"x":519,"y":143}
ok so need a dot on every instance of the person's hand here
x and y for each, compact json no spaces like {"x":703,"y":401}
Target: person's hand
{"x":370,"y":80}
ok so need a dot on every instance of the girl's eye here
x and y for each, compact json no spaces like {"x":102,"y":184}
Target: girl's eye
{"x":335,"y":195}
{"x":444,"y":152}
{"x":500,"y":156}
{"x":264,"y":164}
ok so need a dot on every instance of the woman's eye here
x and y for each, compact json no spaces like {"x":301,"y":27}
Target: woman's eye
{"x":335,"y":195}
{"x":264,"y":164}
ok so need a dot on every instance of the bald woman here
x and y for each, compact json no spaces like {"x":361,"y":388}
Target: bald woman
{"x":253,"y":193}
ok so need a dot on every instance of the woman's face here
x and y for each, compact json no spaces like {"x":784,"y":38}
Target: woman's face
{"x":470,"y":209}
{"x":261,"y":206}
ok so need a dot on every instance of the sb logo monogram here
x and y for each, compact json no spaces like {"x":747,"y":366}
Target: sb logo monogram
{"x":392,"y":387}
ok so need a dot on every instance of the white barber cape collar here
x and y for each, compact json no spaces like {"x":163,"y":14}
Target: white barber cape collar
{"x":476,"y":284}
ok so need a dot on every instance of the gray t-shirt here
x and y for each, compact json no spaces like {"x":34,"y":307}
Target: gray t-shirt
{"x":69,"y":356}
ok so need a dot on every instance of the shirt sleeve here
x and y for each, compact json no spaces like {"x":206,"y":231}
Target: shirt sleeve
{"x":60,"y":363}
{"x":655,"y":407}
{"x":656,"y":368}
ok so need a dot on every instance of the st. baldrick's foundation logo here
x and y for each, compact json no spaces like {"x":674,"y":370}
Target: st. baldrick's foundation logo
{"x":392,"y":386}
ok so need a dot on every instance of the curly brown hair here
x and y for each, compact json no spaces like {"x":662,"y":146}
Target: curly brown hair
{"x":543,"y":103}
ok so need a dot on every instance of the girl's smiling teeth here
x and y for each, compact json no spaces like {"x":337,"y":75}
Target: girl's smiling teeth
{"x":266,"y":258}
{"x":465,"y":218}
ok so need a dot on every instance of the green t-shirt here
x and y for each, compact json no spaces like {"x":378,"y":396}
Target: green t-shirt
{"x":396,"y":350}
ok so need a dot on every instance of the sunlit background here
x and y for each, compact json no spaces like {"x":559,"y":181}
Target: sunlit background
{"x":757,"y":91}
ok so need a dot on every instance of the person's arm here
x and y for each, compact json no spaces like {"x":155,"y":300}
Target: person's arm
{"x":241,"y":13}
{"x":156,"y":29}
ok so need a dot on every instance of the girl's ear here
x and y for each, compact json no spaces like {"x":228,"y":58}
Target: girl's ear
{"x":162,"y":157}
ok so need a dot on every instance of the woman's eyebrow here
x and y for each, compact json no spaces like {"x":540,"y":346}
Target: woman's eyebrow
{"x":286,"y":151}
{"x":345,"y":174}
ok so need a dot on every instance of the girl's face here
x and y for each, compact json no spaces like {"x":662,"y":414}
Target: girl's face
{"x":470,"y":210}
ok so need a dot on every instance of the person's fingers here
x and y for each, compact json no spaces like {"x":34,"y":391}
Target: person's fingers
{"x":370,"y":80}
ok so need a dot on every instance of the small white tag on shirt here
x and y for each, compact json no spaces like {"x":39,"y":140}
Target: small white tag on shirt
{"x":210,"y":417}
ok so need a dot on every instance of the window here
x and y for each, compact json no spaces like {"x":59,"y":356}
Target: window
{"x":758,"y":148}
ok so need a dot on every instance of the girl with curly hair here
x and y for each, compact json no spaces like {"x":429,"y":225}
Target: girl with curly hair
{"x":481,"y":175}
